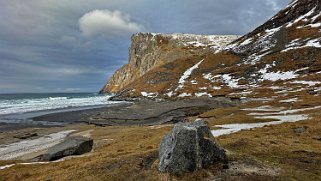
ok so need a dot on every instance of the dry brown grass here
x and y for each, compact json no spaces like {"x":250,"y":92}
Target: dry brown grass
{"x":302,"y":33}
{"x":130,"y":153}
{"x":298,"y":156}
{"x":119,"y":153}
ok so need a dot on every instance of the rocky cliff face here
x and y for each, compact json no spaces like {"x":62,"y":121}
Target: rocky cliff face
{"x":149,"y":50}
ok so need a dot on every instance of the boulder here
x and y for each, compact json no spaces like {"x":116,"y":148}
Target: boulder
{"x":70,"y":146}
{"x":190,"y":146}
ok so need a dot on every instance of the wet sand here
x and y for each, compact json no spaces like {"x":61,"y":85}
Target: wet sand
{"x":143,"y":112}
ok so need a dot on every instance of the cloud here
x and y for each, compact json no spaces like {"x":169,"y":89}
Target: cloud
{"x":108,"y":23}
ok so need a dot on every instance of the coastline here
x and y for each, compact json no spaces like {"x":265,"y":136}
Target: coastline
{"x":15,"y":139}
{"x":13,"y":122}
{"x":143,"y":112}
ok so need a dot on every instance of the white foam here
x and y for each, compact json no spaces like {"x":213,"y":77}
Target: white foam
{"x":40,"y":104}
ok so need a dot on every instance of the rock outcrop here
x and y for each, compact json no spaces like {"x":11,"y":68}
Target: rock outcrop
{"x":71,"y":146}
{"x":190,"y":146}
{"x":149,"y":50}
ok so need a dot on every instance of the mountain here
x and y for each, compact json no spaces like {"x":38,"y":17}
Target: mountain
{"x":150,"y":50}
{"x":283,"y":53}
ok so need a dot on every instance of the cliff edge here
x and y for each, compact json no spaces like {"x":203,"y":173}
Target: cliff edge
{"x":150,"y":50}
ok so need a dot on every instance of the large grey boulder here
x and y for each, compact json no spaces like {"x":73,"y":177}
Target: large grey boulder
{"x":190,"y":146}
{"x":70,"y":146}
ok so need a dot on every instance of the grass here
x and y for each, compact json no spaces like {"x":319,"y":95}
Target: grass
{"x":131,"y":153}
{"x":298,"y":156}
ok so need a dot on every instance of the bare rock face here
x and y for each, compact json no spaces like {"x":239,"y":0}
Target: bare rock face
{"x":71,"y":146}
{"x":190,"y":146}
{"x":149,"y":50}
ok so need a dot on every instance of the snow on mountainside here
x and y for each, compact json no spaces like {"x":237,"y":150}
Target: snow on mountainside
{"x":280,"y":55}
{"x":297,"y":26}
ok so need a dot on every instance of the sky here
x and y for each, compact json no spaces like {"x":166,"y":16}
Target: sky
{"x":76,"y":45}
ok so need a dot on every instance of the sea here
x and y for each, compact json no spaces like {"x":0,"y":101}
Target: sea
{"x":19,"y":108}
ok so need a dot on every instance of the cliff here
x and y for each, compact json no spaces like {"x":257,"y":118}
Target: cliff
{"x":149,"y":50}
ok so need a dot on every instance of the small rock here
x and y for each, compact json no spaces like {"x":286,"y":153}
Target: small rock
{"x":190,"y":146}
{"x":312,"y":92}
{"x":26,"y":136}
{"x":71,"y":146}
{"x":300,"y":130}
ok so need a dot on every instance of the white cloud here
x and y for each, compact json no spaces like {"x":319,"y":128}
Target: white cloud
{"x":273,"y":5}
{"x":108,"y":23}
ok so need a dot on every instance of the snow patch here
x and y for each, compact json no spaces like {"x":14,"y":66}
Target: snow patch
{"x":194,"y":82}
{"x":232,"y":83}
{"x":296,"y":44}
{"x":216,"y":88}
{"x":208,"y":76}
{"x":286,"y":112}
{"x":150,"y":95}
{"x":187,"y":74}
{"x":301,"y":18}
{"x":314,"y":43}
{"x":185,"y":95}
{"x":7,"y":166}
{"x":201,"y":94}
{"x":289,"y":100}
{"x":282,"y":116}
{"x":170,"y":94}
{"x":264,"y":109}
{"x":310,"y":83}
{"x":246,"y":42}
{"x":274,"y":76}
{"x":233,"y":128}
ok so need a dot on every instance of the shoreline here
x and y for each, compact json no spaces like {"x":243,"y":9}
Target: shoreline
{"x":143,"y":112}
{"x":16,"y":142}
{"x":11,"y":122}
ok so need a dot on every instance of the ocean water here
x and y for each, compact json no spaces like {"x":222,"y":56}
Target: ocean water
{"x":25,"y":103}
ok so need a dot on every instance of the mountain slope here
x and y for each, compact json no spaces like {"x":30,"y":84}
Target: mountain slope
{"x":282,"y":51}
{"x":149,"y":50}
